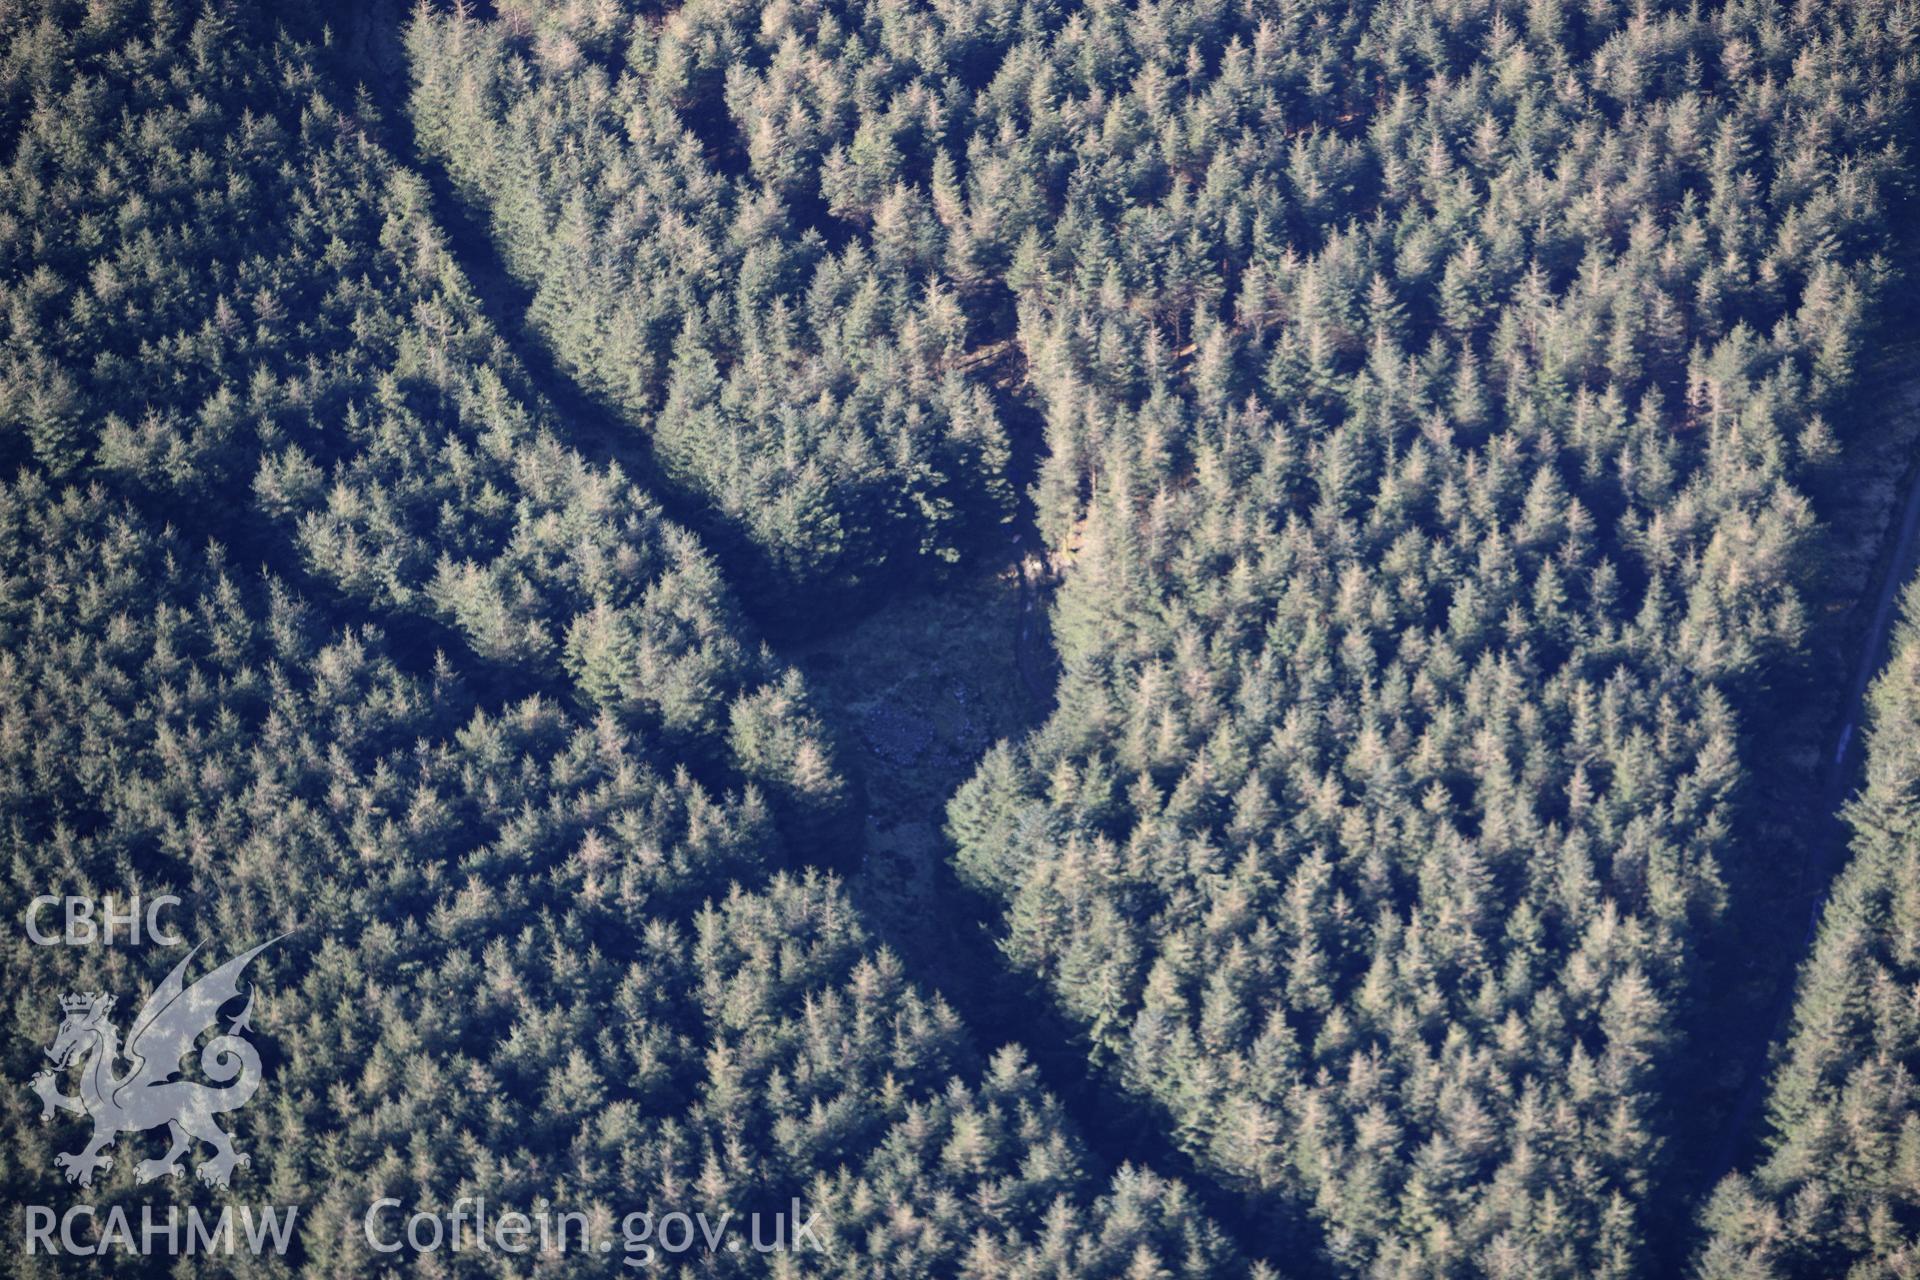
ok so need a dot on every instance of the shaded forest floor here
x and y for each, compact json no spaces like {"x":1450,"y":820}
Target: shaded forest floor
{"x":919,"y":690}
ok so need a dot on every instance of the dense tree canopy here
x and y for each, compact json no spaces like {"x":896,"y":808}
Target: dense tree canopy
{"x":524,"y":962}
{"x":1424,"y":410}
{"x":1431,"y":491}
{"x":312,"y":618}
{"x":769,"y":309}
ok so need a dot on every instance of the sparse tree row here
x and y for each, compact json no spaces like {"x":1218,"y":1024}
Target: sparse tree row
{"x":547,"y":946}
{"x":1837,"y":1191}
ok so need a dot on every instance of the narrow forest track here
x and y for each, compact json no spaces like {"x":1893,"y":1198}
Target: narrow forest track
{"x":1825,"y":851}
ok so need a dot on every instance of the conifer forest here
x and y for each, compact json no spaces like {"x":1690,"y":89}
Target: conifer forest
{"x":960,"y":639}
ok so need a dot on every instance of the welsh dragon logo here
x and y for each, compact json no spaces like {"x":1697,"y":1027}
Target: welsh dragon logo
{"x":147,"y":1095}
